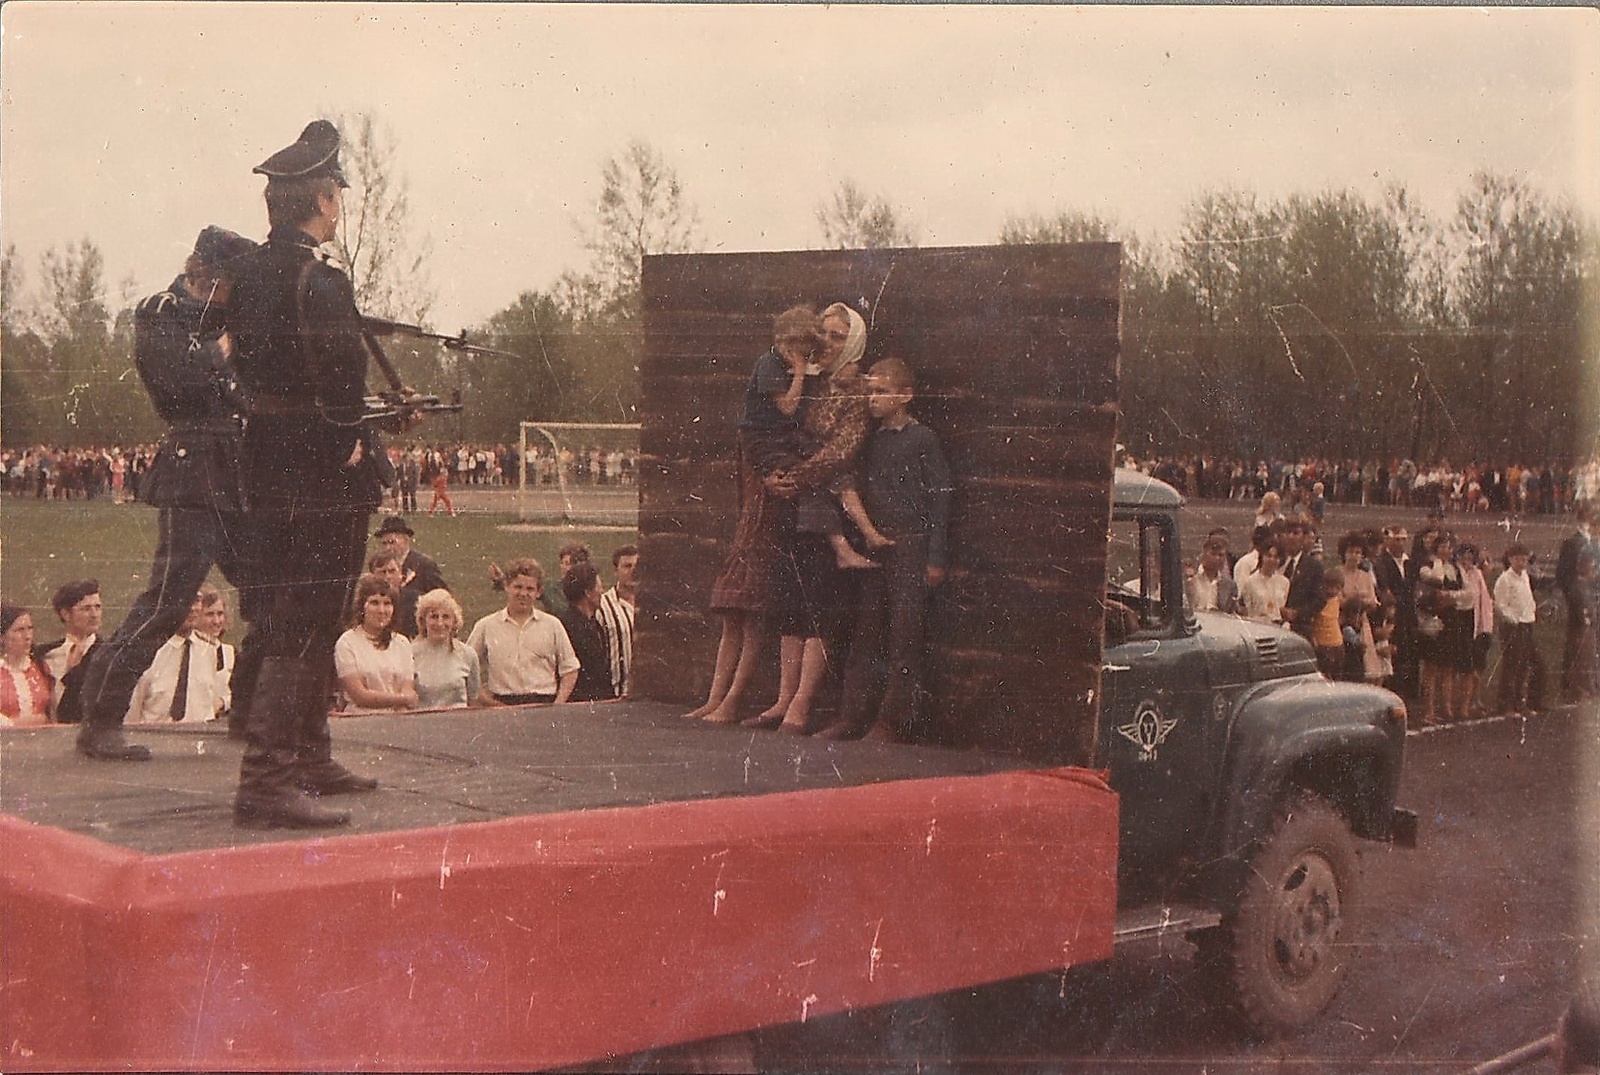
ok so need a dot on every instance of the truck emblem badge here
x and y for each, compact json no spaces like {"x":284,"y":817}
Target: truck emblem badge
{"x":1148,"y":730}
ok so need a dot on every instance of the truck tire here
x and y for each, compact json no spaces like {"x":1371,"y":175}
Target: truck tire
{"x":1284,"y":954}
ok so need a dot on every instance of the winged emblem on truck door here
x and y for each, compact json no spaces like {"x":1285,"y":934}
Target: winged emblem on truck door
{"x":1148,"y":729}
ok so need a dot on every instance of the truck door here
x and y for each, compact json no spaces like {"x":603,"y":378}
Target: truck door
{"x":1154,"y":726}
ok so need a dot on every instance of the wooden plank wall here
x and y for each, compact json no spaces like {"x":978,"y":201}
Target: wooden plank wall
{"x":1015,"y":351}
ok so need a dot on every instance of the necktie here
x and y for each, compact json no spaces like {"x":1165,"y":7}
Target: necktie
{"x":74,"y":655}
{"x":180,"y":690}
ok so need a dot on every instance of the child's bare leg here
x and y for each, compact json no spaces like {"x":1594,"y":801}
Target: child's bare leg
{"x":727,"y":659}
{"x":727,"y":711}
{"x":790,"y":651}
{"x":846,"y":557}
{"x":850,"y":500}
{"x":813,"y":666}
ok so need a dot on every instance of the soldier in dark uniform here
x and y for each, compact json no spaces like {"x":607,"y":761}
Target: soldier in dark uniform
{"x":182,"y":352}
{"x":311,"y":479}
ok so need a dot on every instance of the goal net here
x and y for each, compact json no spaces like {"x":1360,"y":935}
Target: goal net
{"x":579,"y":473}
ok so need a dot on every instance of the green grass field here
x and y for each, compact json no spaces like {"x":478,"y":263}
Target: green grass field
{"x":44,"y":544}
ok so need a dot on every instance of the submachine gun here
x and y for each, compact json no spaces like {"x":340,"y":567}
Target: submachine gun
{"x":395,"y":407}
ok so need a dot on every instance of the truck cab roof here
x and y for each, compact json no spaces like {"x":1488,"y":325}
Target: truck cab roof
{"x":1130,"y":490}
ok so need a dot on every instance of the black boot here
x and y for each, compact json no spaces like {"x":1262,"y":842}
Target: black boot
{"x":100,"y":734}
{"x":315,"y":770}
{"x":268,"y":797}
{"x":108,"y":744}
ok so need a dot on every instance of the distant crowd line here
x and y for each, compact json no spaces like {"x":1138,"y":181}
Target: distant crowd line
{"x":1516,"y":488}
{"x":52,"y":472}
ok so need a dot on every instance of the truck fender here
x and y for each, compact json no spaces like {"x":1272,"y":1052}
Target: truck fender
{"x":1285,"y":739}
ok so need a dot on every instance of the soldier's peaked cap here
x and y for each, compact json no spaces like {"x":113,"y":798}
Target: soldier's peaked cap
{"x":315,"y":153}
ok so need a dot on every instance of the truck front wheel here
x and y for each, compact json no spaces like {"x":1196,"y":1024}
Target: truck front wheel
{"x":1283,"y":956}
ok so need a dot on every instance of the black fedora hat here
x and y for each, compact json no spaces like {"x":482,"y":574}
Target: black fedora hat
{"x":393,"y":524}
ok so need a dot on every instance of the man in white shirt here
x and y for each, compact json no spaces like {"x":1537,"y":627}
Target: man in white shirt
{"x":617,"y":606}
{"x":180,"y":686}
{"x":213,"y":622}
{"x":524,"y":653}
{"x":1521,"y":667}
{"x":1211,"y":589}
{"x":81,"y":609}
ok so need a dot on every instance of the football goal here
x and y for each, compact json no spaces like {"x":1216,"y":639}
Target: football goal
{"x":579,"y":474}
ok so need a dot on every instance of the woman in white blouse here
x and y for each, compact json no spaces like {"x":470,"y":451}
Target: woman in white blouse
{"x":447,"y":669}
{"x":372,"y":661}
{"x":24,"y":684}
{"x":1264,"y":590}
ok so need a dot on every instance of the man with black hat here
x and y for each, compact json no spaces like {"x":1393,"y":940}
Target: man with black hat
{"x":419,"y":571}
{"x":183,"y":353}
{"x":311,"y":479}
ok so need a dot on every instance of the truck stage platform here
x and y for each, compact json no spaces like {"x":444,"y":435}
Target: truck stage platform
{"x":529,"y":888}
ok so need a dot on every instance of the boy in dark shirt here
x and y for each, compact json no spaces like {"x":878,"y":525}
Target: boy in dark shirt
{"x":907,"y":493}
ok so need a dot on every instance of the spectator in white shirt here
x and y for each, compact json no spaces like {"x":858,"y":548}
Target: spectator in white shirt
{"x":524,"y":653}
{"x":1521,"y":668}
{"x":180,"y":686}
{"x":617,"y":607}
{"x":372,"y":660}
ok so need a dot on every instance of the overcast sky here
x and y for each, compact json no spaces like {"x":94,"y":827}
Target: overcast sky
{"x":135,"y":124}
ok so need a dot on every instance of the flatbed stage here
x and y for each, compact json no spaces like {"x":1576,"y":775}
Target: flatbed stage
{"x":529,"y":888}
{"x":447,"y":767}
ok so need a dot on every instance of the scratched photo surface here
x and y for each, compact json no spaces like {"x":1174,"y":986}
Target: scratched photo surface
{"x":1355,"y":233}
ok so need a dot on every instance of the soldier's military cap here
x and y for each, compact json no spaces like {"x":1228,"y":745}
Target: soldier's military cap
{"x":315,"y":153}
{"x":218,"y":246}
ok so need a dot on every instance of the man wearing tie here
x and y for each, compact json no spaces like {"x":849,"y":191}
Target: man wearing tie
{"x":180,"y":686}
{"x":81,"y":609}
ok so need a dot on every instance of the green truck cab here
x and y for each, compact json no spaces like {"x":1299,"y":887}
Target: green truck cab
{"x":1245,"y":776}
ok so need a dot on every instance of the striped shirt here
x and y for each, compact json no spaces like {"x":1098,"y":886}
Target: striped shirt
{"x":616,"y":620}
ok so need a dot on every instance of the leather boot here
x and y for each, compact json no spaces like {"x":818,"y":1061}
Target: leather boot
{"x":268,"y":797}
{"x":100,"y":734}
{"x":315,"y":770}
{"x":108,"y":744}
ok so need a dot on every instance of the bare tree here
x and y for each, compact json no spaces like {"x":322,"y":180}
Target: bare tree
{"x":853,"y":220}
{"x":387,"y":261}
{"x":641,"y":210}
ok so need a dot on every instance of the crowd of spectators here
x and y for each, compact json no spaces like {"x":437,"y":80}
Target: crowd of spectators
{"x":1516,"y":488}
{"x":1428,"y":617}
{"x":401,"y":651}
{"x":50,"y":472}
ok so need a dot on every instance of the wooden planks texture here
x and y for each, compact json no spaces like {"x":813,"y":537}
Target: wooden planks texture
{"x":1015,"y":350}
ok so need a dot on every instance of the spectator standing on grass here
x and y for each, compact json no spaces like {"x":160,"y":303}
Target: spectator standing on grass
{"x":372,"y":660}
{"x":581,"y":588}
{"x":1521,"y":672}
{"x":524,"y":653}
{"x":419,"y":572}
{"x":1477,"y":586}
{"x":1575,"y":592}
{"x":81,"y":609}
{"x":180,"y":686}
{"x":1392,"y":569}
{"x":441,"y":492}
{"x":617,"y":608}
{"x":447,"y":670}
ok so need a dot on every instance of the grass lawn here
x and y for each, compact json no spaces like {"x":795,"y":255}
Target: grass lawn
{"x":44,"y":544}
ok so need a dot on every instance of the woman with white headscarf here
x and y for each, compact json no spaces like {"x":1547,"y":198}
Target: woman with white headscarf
{"x":808,"y":588}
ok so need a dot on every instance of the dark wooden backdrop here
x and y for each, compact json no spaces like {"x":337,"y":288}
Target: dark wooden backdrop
{"x":1015,"y":351}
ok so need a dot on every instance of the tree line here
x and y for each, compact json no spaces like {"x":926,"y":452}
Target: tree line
{"x":1323,"y":324}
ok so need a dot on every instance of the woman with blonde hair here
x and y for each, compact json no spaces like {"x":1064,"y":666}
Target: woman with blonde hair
{"x":447,"y":672}
{"x":1270,"y":509}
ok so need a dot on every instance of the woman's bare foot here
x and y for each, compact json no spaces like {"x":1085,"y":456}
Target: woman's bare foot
{"x":723,"y":714}
{"x":768,"y":718}
{"x":875,"y":540}
{"x":850,"y":560}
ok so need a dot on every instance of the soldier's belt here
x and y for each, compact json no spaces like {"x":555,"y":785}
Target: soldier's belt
{"x":191,"y":426}
{"x":284,"y":407}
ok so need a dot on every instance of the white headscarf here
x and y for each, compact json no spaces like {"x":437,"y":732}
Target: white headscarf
{"x":855,"y":345}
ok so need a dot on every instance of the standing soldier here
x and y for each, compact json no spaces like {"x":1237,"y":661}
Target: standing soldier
{"x":312,"y":479}
{"x":182,"y":352}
